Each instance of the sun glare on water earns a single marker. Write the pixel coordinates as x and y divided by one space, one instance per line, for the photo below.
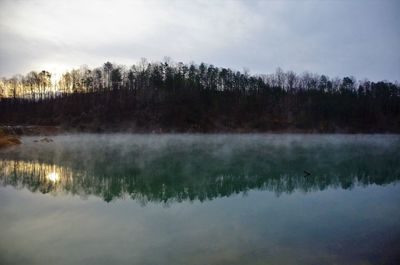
53 176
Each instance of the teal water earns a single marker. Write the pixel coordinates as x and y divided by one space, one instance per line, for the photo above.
201 199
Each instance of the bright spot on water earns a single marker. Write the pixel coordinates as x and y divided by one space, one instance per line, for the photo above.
53 176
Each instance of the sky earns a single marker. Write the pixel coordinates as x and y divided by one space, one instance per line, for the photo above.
358 38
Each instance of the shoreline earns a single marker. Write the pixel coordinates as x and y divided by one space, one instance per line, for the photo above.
8 139
46 130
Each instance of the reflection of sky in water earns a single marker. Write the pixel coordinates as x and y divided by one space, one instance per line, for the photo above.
346 212
333 226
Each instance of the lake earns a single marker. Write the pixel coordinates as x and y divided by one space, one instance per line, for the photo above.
201 199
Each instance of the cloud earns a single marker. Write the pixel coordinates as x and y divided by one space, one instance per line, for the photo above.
332 37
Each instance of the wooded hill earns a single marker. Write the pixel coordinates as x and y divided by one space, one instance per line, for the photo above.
177 97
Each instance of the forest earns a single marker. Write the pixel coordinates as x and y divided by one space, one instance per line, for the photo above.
177 97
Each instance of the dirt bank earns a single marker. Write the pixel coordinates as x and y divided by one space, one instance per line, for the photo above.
7 139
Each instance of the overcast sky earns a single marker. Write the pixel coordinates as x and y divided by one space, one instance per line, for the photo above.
337 38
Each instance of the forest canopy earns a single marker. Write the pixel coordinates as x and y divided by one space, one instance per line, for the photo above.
170 75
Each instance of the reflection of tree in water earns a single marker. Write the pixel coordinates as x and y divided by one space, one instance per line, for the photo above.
200 172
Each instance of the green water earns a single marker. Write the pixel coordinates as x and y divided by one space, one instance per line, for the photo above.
201 199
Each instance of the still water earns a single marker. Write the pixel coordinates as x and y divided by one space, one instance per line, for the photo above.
201 199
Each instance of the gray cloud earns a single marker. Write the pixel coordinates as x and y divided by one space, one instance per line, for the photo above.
337 38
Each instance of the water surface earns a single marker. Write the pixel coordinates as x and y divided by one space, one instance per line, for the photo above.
201 199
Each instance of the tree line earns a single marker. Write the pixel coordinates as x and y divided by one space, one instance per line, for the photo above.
171 96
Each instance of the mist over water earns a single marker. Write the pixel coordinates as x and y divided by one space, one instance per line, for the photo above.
169 168
234 198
